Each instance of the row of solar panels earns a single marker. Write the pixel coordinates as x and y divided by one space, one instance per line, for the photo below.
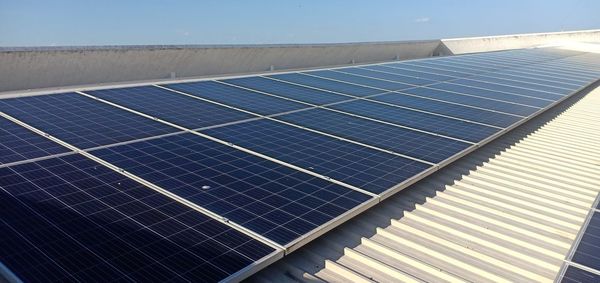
212 180
583 261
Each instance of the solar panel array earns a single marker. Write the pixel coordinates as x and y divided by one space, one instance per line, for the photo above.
212 180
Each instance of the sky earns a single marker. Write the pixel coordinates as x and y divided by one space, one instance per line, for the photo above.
149 22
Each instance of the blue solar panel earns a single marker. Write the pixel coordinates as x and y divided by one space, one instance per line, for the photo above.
428 69
237 97
529 79
407 72
588 250
472 100
418 120
415 144
296 92
71 219
385 76
177 108
484 93
510 89
326 84
453 110
577 275
451 65
369 169
521 83
18 143
81 121
270 199
381 84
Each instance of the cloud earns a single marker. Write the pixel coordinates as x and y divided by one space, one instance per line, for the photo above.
182 32
422 20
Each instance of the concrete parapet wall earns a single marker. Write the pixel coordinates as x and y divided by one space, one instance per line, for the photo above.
56 67
30 68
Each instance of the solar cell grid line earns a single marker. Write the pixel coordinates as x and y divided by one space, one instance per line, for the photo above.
382 76
18 144
406 141
295 92
352 79
509 89
577 275
433 124
452 110
548 72
236 97
270 199
491 94
562 62
79 120
96 224
564 70
364 167
476 101
406 72
325 84
174 107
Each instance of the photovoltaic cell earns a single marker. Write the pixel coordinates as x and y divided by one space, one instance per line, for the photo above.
408 142
81 121
588 250
296 92
266 197
363 167
383 85
453 110
326 84
71 219
18 143
476 101
577 275
385 76
490 94
176 108
524 78
418 120
237 97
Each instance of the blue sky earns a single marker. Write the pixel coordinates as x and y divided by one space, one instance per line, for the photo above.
106 22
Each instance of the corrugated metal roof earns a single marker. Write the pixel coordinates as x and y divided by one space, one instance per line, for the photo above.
507 212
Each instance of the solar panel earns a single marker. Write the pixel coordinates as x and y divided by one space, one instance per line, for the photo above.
578 275
494 95
363 167
291 91
423 146
588 248
473 100
353 79
322 83
173 107
72 219
18 143
237 97
81 121
385 76
452 110
266 197
334 143
418 120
